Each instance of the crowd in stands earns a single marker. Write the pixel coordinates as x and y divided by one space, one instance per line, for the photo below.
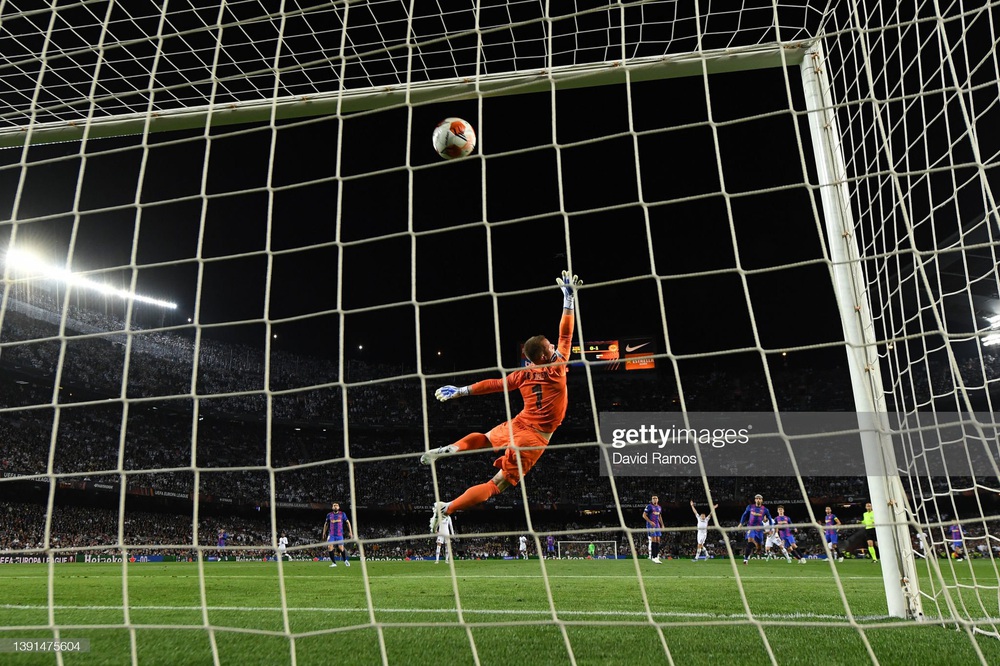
287 444
94 530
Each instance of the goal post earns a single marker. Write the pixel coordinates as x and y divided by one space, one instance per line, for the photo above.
899 574
581 549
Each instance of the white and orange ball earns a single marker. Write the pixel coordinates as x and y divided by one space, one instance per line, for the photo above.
454 138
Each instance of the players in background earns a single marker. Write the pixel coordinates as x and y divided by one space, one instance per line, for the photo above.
702 521
283 547
543 389
787 538
919 551
522 547
754 518
956 542
772 541
654 527
334 529
550 546
591 549
831 520
444 532
221 542
868 520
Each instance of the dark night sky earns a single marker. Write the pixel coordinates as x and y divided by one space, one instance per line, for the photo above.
525 239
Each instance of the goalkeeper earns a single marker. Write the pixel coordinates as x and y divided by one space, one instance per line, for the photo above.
543 389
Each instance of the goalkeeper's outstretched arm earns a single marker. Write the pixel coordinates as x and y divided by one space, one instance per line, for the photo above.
538 349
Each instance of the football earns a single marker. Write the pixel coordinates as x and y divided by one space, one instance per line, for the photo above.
454 138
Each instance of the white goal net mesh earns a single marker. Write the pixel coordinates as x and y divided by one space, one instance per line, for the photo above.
235 272
916 95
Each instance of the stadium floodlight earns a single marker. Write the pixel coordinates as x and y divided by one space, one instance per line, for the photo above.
19 260
991 339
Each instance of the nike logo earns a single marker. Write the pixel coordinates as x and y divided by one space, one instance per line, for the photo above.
630 348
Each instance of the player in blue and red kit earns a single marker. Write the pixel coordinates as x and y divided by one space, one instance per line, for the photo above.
654 527
333 532
754 518
787 538
956 542
830 520
220 542
550 546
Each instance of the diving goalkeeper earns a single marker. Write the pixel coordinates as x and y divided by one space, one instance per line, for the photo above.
543 388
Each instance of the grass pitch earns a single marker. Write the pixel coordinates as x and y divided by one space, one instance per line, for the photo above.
499 612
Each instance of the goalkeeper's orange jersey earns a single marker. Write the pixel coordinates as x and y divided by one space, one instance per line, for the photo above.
543 388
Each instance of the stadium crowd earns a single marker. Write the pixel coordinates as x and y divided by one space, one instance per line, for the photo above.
286 444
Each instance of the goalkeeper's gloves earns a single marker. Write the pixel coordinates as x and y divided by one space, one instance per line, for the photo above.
448 392
568 283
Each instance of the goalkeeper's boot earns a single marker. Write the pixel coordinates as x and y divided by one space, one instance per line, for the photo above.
438 515
434 454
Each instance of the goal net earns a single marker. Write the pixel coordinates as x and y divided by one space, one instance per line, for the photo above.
236 271
581 549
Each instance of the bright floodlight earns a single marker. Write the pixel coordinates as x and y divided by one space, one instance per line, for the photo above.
991 340
27 262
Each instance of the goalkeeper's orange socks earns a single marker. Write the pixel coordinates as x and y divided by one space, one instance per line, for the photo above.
473 496
476 440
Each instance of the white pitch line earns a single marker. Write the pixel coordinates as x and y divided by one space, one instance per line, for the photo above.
451 611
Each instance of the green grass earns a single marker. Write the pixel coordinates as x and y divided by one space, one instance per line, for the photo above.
602 611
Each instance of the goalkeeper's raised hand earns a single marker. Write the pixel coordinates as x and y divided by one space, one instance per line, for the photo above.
569 284
446 393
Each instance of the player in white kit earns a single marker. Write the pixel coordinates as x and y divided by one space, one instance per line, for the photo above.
701 552
444 530
774 541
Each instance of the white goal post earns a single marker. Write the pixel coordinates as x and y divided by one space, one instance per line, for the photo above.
899 574
581 549
263 172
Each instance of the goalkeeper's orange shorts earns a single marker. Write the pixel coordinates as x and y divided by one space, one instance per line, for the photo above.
527 441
